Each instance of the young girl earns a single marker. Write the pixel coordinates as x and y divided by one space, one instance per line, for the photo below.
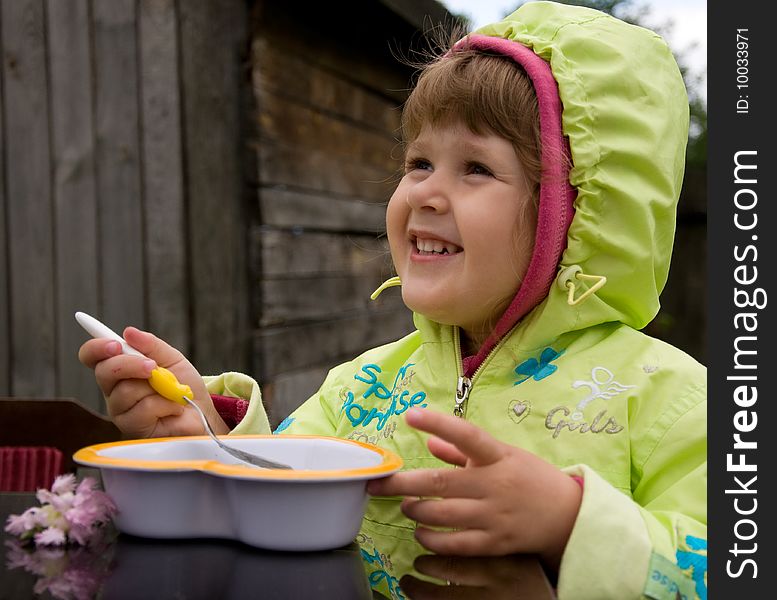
574 436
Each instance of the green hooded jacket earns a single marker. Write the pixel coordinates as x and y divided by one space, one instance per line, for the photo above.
577 384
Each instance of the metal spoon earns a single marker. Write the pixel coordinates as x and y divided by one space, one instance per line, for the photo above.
253 459
166 385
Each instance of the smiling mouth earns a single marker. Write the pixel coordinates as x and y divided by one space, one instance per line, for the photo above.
433 247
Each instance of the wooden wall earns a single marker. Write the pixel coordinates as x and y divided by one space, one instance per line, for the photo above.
121 145
214 171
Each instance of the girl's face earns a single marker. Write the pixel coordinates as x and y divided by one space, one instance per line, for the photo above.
461 227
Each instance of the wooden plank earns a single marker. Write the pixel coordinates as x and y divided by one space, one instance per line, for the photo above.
362 55
286 392
307 167
27 169
213 48
282 206
297 79
163 183
310 298
421 14
297 125
5 357
284 349
73 153
299 253
118 166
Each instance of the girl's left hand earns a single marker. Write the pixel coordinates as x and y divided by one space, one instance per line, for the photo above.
501 500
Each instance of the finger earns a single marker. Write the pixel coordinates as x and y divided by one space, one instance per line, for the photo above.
475 443
177 425
151 410
126 394
93 351
111 371
468 542
461 513
437 483
447 452
152 346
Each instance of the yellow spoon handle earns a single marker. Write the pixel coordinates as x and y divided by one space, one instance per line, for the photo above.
162 380
167 386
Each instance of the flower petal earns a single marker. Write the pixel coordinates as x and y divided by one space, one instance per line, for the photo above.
64 484
51 536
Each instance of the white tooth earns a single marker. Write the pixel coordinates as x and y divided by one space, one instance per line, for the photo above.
437 246
426 245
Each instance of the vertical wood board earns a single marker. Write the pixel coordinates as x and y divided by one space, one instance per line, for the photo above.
163 184
118 163
213 42
28 186
5 356
72 137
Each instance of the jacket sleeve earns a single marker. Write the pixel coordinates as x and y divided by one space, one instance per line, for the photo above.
247 398
237 395
654 544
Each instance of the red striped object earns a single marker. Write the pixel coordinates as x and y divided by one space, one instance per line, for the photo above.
27 468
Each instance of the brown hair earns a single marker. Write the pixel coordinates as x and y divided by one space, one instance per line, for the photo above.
488 93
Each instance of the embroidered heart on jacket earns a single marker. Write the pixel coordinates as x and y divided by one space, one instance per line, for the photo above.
519 409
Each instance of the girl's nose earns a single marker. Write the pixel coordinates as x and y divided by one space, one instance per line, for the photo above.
431 194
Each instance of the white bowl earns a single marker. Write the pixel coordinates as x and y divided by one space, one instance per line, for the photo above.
187 487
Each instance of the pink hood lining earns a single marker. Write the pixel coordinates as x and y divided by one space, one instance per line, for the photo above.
557 196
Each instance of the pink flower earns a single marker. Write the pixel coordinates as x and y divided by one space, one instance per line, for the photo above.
64 484
21 524
51 536
68 513
65 573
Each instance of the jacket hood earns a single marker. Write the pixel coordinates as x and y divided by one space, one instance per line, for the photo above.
625 119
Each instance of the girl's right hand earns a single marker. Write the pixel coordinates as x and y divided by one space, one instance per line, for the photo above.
136 409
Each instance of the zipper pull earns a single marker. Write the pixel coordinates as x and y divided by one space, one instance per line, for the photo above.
463 386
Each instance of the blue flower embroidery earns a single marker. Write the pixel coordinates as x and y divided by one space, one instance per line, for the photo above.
284 424
377 575
696 562
531 368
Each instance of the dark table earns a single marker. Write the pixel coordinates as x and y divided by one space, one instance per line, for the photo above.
126 567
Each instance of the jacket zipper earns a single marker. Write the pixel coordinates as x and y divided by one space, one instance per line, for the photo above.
464 384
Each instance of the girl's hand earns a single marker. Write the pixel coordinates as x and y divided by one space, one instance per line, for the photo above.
133 405
501 500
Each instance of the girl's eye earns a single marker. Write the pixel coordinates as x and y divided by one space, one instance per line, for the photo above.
417 163
478 169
